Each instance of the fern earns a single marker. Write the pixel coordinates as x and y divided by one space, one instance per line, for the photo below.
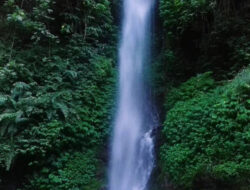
3 100
63 109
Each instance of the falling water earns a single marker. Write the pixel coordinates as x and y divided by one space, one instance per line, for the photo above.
132 156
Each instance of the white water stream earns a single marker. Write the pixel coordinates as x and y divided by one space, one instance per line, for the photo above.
132 157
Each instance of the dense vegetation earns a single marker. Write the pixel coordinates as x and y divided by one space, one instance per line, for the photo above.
205 140
57 88
56 92
207 134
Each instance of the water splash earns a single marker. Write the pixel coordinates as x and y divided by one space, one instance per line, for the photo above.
132 156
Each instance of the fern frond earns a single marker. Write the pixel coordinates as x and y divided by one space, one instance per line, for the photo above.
63 109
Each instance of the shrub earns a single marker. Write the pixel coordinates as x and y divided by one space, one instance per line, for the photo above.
70 171
206 136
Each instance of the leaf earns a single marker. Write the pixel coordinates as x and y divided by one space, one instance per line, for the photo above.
63 108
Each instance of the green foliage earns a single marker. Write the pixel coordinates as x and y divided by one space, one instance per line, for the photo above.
56 90
164 72
53 21
206 135
193 87
206 130
34 21
70 171
178 15
60 91
200 36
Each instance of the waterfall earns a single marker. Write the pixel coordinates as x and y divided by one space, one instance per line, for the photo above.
132 157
